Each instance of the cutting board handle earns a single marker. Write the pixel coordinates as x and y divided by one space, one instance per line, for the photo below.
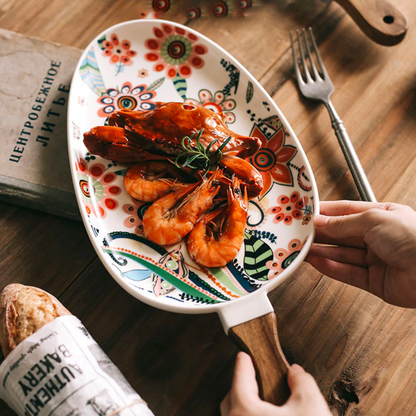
259 338
378 19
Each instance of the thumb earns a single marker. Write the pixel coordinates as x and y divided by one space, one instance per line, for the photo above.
349 226
300 382
306 398
302 385
244 382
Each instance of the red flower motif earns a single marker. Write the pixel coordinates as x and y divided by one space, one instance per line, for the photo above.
175 50
97 187
272 159
288 208
118 52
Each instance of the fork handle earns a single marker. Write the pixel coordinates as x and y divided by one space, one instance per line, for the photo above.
357 171
378 19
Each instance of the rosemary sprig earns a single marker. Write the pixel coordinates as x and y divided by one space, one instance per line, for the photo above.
199 157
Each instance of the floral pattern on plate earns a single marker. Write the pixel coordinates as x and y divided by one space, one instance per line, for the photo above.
272 159
175 51
283 258
216 102
289 208
119 53
129 98
97 187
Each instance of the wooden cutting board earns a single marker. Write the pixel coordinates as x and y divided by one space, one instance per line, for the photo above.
378 19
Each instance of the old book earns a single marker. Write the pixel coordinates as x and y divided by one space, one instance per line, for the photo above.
35 77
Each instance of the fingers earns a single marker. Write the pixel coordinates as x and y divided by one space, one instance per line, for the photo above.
345 273
321 238
347 255
243 399
347 222
244 392
336 208
244 381
301 383
305 398
350 226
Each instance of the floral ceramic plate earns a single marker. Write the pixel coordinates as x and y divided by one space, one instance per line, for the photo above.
132 66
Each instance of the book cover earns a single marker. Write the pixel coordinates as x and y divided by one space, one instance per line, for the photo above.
35 78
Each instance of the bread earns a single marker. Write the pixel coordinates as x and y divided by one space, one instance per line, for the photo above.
24 310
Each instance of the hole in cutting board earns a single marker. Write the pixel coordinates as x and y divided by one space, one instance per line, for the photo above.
388 19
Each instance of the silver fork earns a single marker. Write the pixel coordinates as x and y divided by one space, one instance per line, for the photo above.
318 86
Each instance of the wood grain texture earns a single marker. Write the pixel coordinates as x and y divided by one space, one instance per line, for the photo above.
32 249
260 340
361 351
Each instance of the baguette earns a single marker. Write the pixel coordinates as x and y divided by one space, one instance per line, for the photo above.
24 310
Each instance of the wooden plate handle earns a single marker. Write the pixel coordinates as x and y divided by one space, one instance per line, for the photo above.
259 338
378 19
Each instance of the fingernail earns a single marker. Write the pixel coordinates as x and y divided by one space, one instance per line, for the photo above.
320 220
297 368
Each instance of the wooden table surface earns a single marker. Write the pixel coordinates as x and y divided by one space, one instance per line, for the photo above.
361 350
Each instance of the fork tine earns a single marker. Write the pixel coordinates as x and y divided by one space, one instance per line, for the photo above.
309 55
295 62
302 55
318 56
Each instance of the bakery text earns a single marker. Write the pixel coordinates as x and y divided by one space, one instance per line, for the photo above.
46 378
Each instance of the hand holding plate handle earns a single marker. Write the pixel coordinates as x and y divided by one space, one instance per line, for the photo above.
260 340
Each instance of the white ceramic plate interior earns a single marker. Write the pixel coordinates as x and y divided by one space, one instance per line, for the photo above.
134 64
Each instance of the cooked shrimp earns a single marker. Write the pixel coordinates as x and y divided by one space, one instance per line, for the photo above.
148 181
173 216
249 176
213 245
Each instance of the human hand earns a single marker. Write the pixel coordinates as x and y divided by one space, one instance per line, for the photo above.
243 399
369 245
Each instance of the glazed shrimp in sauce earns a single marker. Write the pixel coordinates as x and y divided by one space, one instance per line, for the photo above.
148 181
213 245
173 216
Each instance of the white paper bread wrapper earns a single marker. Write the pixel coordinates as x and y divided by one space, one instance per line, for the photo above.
61 371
